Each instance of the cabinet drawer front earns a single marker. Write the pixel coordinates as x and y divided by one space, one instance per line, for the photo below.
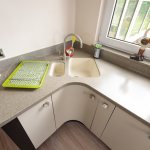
103 113
125 132
38 122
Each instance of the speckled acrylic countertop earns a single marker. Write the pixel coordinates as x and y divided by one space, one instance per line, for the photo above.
124 88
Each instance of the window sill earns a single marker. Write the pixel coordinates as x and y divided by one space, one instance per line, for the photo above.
122 59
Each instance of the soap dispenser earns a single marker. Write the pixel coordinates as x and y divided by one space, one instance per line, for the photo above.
97 48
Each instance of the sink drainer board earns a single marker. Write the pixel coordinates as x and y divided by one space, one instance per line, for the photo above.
28 74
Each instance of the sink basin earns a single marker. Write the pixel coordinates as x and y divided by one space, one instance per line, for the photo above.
57 69
83 67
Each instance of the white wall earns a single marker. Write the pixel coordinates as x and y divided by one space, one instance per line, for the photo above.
88 19
28 25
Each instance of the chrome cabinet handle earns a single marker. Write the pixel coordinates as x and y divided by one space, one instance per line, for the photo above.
92 96
105 106
46 104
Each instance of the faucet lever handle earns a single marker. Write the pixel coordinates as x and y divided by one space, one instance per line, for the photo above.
73 38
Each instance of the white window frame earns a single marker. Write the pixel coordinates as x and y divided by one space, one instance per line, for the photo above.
107 15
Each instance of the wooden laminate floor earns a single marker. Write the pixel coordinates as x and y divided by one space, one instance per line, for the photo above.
6 143
73 136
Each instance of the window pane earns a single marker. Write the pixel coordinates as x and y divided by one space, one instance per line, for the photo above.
116 19
127 19
146 21
140 18
130 20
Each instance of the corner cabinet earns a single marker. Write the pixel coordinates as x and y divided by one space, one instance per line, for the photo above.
125 132
38 122
74 102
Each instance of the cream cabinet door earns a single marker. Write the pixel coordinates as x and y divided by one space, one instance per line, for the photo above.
38 122
103 113
74 102
124 132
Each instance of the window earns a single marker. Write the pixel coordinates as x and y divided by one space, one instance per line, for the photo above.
124 22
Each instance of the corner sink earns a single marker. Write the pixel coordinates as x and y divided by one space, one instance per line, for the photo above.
83 67
57 69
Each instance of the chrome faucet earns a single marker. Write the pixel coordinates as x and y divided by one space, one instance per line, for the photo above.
71 34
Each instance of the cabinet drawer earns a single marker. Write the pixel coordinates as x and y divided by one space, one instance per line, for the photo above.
38 122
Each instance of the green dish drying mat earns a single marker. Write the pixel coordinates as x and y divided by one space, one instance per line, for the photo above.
28 74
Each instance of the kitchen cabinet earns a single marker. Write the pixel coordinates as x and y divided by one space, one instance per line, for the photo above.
74 102
103 113
124 132
38 122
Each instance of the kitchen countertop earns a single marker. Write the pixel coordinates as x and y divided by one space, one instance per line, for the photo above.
124 88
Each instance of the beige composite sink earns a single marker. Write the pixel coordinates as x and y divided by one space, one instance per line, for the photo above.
83 67
57 69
